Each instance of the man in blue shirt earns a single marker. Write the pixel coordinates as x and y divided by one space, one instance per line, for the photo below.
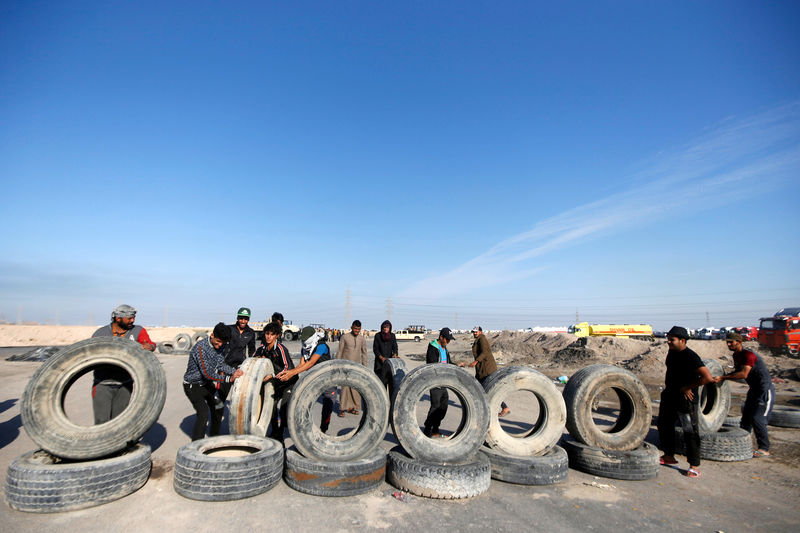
437 353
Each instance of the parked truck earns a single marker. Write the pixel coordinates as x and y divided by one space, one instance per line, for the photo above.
781 332
290 331
584 329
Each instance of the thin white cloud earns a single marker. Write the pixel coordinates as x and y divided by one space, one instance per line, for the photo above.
731 161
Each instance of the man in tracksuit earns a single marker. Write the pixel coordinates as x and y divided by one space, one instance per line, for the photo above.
205 369
437 353
761 395
112 386
277 353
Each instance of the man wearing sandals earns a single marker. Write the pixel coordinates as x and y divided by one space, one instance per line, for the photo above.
761 395
679 400
352 347
484 360
437 353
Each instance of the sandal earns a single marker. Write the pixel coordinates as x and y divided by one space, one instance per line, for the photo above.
341 414
692 473
353 411
761 453
663 461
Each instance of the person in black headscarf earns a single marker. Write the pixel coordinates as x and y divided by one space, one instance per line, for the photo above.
384 347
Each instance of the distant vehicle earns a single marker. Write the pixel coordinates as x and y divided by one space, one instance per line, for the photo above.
781 333
788 311
584 329
748 333
416 329
290 331
708 334
408 335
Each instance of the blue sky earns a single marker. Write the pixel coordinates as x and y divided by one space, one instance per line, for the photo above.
509 164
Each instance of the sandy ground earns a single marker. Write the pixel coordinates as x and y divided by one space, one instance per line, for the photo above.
14 335
764 495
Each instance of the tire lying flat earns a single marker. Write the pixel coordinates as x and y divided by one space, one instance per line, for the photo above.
546 469
307 437
442 481
726 445
251 399
254 466
42 406
632 465
38 482
715 400
342 478
553 411
467 440
635 411
784 417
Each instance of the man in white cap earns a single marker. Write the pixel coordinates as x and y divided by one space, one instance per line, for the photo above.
111 390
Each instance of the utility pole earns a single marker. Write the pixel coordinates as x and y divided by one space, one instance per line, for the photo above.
347 309
389 308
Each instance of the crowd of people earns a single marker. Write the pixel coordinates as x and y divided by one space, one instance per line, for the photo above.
214 363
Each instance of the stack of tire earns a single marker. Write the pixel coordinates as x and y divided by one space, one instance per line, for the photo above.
244 463
181 344
440 468
783 416
534 458
83 466
619 453
718 440
345 465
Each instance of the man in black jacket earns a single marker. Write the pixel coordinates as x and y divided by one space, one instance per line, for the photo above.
384 347
281 360
241 345
437 353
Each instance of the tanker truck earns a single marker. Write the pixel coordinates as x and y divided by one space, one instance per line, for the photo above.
584 329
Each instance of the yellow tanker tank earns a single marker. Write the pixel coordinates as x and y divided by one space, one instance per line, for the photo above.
584 329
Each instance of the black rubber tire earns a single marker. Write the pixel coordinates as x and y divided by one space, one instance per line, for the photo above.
784 417
307 437
417 339
42 406
38 482
633 465
725 445
182 342
553 416
635 414
251 399
199 476
715 400
165 347
399 369
342 478
288 336
197 337
445 481
546 469
475 407
732 421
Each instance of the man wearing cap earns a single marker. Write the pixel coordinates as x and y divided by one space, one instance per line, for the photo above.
315 350
112 386
205 369
352 347
484 360
679 400
437 353
761 395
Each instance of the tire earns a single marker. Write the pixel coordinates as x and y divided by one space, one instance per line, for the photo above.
307 437
197 337
343 478
165 347
200 476
633 465
42 406
399 370
784 417
442 481
288 336
470 435
553 411
732 421
546 469
715 400
38 482
417 339
251 399
182 342
726 445
635 412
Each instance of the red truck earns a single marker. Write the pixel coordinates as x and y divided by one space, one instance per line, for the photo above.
781 332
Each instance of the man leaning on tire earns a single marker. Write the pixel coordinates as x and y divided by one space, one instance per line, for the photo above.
112 386
679 400
437 353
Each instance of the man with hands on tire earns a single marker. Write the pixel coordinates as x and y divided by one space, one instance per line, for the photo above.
112 386
685 373
384 347
484 360
760 395
205 369
281 360
437 353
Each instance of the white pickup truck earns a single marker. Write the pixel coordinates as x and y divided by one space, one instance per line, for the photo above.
407 335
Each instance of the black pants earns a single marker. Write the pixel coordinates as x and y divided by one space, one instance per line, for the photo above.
755 414
203 401
482 382
327 409
280 407
438 409
674 407
109 400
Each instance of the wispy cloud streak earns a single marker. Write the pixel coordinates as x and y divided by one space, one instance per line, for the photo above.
731 160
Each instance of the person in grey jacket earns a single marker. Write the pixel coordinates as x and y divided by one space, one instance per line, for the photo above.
206 368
